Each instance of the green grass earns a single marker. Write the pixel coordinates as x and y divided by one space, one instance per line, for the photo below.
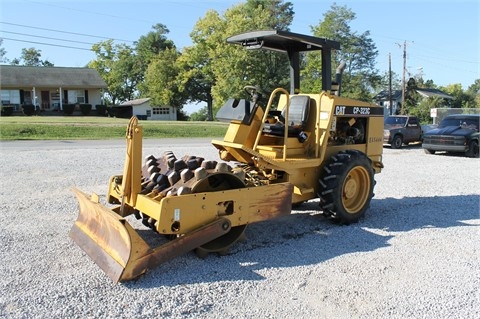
97 128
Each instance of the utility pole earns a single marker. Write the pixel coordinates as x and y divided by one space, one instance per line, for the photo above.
390 82
403 77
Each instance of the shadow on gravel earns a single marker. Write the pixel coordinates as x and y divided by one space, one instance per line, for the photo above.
404 214
411 146
305 237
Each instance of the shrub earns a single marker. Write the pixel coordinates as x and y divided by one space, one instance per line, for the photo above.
6 110
101 110
85 108
68 108
28 109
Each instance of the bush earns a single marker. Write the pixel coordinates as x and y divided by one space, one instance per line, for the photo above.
28 109
85 108
68 108
200 115
124 112
6 110
101 110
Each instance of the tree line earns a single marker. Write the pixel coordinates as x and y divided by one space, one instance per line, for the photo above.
211 71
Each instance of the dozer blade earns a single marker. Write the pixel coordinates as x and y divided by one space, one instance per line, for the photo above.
106 237
112 243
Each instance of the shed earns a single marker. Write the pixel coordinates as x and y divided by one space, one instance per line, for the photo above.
142 109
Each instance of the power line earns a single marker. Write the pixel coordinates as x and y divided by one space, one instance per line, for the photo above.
90 12
49 38
66 32
130 18
420 46
470 71
50 44
446 59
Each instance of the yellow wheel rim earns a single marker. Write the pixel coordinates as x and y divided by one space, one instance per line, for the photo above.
355 190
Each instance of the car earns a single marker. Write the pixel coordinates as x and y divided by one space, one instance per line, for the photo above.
401 129
456 133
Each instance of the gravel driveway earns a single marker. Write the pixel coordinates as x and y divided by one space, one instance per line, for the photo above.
414 255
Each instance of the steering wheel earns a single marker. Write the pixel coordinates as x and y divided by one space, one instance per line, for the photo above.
253 91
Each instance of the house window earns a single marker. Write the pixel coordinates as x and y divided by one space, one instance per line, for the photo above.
27 97
55 97
76 96
161 110
10 97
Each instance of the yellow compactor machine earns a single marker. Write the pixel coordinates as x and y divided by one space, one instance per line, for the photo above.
274 155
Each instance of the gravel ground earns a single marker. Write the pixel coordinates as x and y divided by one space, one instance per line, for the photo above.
414 255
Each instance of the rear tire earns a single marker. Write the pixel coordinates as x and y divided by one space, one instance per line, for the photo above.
397 142
346 186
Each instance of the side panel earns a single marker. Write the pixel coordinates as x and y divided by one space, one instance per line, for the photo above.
238 132
182 214
375 139
374 116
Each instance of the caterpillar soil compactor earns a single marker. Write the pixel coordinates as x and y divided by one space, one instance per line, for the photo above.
316 145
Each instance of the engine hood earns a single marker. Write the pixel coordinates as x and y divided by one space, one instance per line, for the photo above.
392 126
450 130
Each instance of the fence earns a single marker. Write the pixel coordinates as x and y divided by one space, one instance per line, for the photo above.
438 114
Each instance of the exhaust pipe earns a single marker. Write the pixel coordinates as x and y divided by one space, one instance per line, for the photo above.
338 78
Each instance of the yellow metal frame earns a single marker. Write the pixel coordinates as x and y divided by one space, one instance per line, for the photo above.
264 119
302 167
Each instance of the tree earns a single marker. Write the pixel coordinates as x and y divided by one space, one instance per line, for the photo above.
3 52
396 81
160 79
280 13
148 47
358 51
154 42
213 71
412 98
425 84
31 57
200 115
123 67
461 99
263 68
474 91
422 110
119 68
196 76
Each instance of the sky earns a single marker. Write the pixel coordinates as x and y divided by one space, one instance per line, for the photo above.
442 37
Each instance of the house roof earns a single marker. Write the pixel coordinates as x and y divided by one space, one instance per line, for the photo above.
425 92
383 95
135 102
14 76
433 92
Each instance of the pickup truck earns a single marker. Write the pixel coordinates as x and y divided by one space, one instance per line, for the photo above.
456 133
401 129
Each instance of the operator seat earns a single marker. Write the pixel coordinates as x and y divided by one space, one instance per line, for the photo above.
297 117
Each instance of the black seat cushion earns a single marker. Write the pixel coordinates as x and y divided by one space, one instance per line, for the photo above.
297 117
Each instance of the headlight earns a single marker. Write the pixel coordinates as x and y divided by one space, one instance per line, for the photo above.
386 133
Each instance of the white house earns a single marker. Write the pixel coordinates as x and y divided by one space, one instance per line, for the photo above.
49 88
142 109
383 98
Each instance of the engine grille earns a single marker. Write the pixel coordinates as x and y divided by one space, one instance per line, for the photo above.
444 140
